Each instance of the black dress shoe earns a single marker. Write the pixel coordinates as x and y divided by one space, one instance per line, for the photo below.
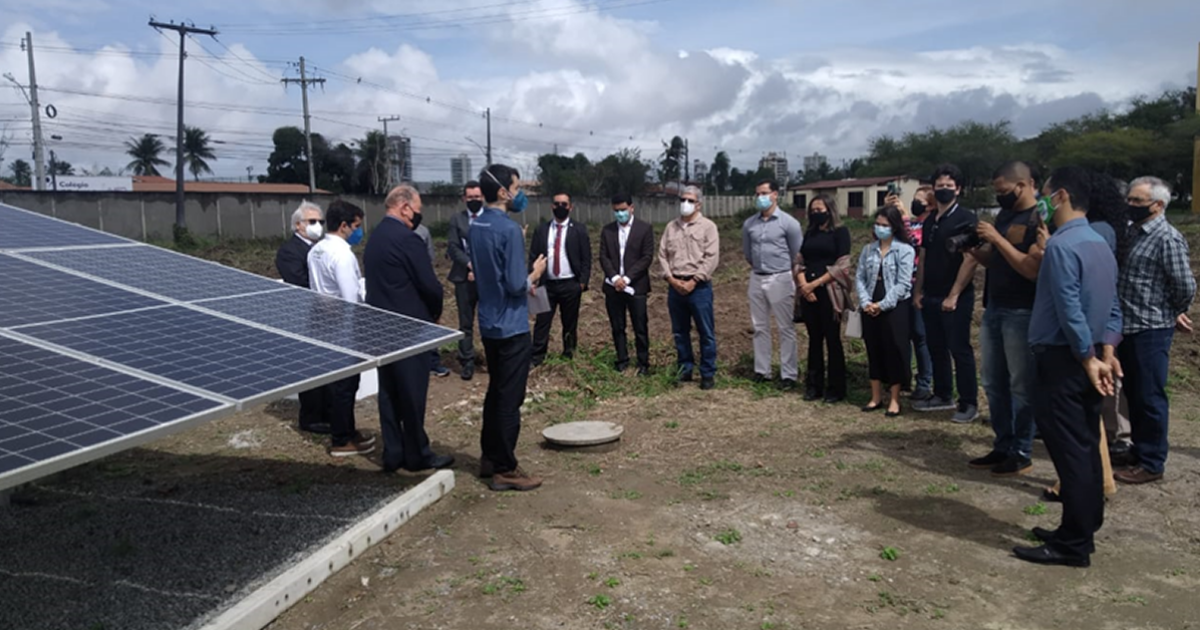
685 377
1044 535
621 367
319 428
811 395
833 399
787 385
643 371
1125 459
1047 555
707 382
1050 496
868 408
437 461
761 378
468 372
892 414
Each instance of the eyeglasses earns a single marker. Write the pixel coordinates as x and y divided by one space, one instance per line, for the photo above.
316 221
686 200
1137 201
561 205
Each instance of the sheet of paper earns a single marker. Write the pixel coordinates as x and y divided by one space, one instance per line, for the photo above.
539 302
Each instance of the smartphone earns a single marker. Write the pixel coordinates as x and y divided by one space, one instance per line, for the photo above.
893 188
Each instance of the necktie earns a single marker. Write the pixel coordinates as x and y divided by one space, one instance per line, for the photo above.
557 248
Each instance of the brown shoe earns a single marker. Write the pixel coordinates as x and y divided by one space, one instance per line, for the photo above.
363 438
515 480
1136 476
350 449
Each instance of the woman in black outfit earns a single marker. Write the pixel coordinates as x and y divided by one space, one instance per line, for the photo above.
884 287
823 280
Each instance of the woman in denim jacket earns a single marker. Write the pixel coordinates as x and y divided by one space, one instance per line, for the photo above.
883 283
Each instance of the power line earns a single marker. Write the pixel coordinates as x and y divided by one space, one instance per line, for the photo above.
376 19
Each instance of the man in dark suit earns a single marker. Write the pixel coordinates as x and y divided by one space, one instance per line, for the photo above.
308 226
568 254
466 296
626 253
400 279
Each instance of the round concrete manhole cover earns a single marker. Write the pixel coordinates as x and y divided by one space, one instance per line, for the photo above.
589 433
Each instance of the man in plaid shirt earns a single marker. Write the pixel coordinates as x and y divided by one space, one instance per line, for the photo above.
1156 287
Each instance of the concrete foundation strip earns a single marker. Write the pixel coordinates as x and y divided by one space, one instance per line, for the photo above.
264 605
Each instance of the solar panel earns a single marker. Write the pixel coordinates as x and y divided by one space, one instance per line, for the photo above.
154 270
57 411
23 229
34 294
369 331
205 351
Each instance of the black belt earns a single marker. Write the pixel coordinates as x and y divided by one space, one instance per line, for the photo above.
684 278
768 273
549 280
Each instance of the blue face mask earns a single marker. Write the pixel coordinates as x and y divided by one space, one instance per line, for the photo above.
763 202
356 236
519 203
622 216
883 232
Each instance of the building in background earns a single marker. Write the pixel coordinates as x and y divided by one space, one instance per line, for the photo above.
778 163
400 148
855 197
814 162
460 169
699 171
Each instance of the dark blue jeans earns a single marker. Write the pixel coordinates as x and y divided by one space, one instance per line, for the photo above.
1144 357
920 350
695 307
949 337
1009 374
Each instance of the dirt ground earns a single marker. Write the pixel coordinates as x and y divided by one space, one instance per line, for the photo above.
742 508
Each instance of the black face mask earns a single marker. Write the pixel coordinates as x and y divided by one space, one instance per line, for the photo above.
561 212
474 206
416 220
818 219
945 195
918 208
1007 201
1137 214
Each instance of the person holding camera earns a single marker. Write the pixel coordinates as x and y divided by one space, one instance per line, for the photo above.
1011 255
945 294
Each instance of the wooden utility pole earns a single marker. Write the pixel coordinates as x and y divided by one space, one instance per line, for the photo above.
304 82
1196 145
39 162
387 145
183 30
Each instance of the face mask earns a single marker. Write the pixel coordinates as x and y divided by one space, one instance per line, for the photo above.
314 231
622 216
1046 209
1007 201
883 232
518 203
561 212
763 202
416 220
1137 214
918 208
686 208
818 219
944 195
356 236
474 206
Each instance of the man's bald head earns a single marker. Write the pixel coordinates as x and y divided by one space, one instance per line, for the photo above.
1015 172
400 195
1015 185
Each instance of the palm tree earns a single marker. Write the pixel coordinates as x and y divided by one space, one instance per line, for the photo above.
196 151
145 153
22 173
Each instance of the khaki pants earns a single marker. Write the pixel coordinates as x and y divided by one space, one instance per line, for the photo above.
774 297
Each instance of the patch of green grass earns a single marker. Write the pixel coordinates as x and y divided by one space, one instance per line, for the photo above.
504 583
612 582
593 575
947 488
816 453
671 424
681 623
939 613
728 537
704 581
631 555
1037 509
689 567
711 495
594 469
629 495
891 554
785 494
600 601
875 577
1178 572
1136 599
664 553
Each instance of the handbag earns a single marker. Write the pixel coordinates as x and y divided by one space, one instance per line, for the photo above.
853 324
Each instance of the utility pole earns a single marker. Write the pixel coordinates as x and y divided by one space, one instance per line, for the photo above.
489 136
184 30
387 143
249 170
39 166
1196 146
304 82
53 171
687 164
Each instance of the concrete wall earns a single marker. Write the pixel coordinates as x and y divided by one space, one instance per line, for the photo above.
149 216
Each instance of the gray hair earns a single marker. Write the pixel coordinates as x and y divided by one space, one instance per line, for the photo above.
1159 190
400 195
695 190
305 206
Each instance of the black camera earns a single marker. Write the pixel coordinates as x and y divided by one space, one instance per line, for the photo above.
963 239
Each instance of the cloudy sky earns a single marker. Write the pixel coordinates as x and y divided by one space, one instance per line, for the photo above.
595 76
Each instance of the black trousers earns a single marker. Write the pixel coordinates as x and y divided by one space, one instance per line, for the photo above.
618 304
1069 419
508 372
466 297
315 408
403 391
341 409
565 296
824 333
886 338
948 336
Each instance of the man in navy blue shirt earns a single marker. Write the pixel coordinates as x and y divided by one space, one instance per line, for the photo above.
497 250
1075 327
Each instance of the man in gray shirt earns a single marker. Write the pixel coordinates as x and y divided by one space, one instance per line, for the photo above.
770 241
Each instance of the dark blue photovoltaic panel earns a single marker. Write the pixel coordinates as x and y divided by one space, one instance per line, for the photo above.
198 349
334 321
29 229
34 294
53 405
159 271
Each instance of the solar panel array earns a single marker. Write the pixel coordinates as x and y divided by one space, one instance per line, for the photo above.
107 343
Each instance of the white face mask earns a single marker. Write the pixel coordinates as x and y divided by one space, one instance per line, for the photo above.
687 208
314 231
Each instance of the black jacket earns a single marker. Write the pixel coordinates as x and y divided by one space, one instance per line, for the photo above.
399 273
460 224
579 251
292 261
639 254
